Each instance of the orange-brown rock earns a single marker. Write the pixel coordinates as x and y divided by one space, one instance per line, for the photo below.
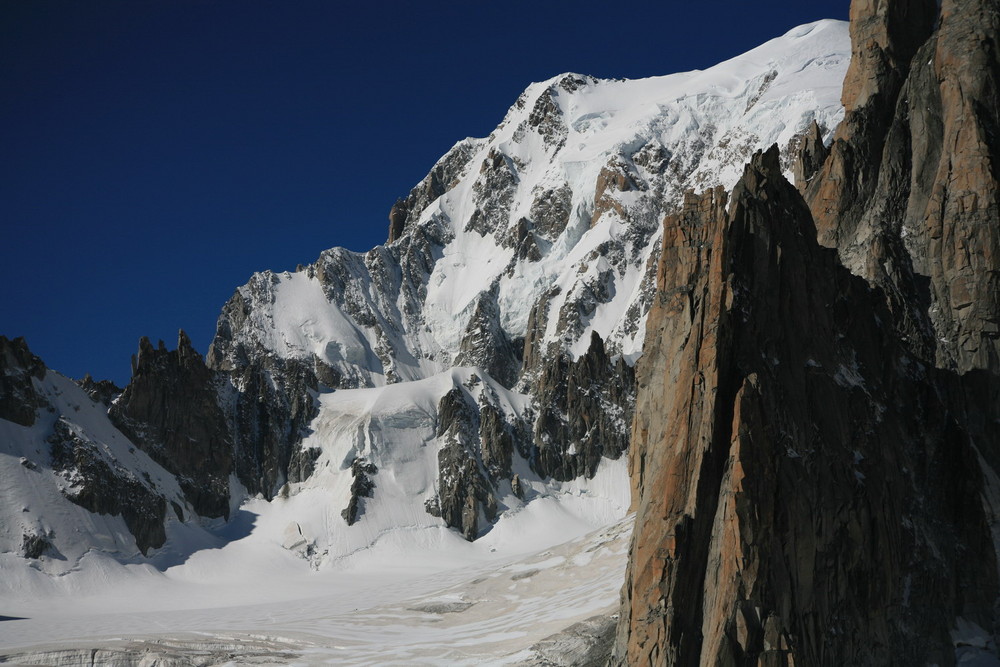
614 177
885 35
682 354
882 47
815 450
910 193
807 491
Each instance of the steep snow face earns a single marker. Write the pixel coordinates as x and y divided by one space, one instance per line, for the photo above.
76 492
556 212
401 435
288 580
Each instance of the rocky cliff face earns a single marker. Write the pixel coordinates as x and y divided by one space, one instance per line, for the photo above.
909 196
107 487
205 424
171 409
584 408
814 453
73 484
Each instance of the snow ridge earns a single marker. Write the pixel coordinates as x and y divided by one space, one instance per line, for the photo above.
565 196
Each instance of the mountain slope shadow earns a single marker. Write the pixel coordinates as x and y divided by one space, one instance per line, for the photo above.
184 541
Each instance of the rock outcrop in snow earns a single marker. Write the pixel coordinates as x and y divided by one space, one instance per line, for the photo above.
171 409
72 483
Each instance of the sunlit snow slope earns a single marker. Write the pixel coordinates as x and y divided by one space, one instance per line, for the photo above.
519 255
565 197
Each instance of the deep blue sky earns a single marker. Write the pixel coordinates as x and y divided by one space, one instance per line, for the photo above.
155 153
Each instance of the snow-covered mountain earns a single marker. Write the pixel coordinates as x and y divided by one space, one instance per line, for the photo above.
528 255
541 231
471 378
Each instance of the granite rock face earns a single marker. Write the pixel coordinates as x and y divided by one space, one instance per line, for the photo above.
465 493
204 424
202 428
106 487
486 345
909 196
808 490
62 447
809 157
815 451
271 402
584 408
18 398
171 409
885 35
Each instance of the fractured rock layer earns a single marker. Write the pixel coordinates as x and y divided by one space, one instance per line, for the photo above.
815 450
911 194
805 493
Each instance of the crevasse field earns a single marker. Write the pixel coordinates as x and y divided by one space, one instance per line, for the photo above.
396 587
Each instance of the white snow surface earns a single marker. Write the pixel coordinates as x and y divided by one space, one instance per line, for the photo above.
290 577
33 503
667 134
398 587
439 602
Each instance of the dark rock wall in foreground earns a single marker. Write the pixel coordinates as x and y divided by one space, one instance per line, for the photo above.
815 445
805 492
910 194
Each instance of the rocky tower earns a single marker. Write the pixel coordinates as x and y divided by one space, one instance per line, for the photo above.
170 408
57 438
814 448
